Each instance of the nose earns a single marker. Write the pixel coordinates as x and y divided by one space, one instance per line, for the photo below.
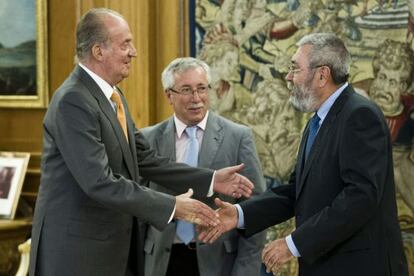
289 76
195 96
132 51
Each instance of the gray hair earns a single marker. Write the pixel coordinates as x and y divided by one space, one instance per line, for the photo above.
327 49
91 30
180 65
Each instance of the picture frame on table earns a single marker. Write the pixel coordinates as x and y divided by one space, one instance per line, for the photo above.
13 167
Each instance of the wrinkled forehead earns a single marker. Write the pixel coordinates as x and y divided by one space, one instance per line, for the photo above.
116 26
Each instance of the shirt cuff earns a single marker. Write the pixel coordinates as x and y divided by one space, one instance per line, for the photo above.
210 190
172 215
240 222
292 247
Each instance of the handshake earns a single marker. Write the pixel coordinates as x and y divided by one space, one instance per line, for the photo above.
212 224
226 181
274 255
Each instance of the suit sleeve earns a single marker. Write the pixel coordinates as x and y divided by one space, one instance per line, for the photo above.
77 133
363 163
250 248
176 176
272 207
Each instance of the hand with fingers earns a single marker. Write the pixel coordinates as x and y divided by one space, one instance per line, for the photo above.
227 181
194 211
275 254
228 220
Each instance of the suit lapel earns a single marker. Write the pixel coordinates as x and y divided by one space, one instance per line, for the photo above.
322 136
301 158
212 138
107 109
165 141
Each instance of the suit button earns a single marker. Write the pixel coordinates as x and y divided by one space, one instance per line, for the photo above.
167 249
128 231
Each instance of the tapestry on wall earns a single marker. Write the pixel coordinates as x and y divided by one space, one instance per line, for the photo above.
249 43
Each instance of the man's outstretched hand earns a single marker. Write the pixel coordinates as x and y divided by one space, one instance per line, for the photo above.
227 181
228 220
194 211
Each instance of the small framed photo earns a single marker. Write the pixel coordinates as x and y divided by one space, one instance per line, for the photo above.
13 167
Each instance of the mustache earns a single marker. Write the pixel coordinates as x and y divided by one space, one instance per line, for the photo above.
194 106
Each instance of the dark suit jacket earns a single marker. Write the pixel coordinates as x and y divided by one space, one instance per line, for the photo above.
343 197
224 144
88 193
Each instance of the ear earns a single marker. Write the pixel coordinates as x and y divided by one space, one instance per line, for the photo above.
169 96
325 74
97 52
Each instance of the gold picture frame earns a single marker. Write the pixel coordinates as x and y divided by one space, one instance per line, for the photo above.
31 95
13 167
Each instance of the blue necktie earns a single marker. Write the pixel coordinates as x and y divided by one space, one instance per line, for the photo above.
313 130
185 230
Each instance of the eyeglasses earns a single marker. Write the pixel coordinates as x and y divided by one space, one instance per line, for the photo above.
294 70
187 90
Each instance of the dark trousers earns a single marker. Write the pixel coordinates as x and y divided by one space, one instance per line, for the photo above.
183 260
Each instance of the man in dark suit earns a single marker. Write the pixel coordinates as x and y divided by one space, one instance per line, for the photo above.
342 191
220 143
89 198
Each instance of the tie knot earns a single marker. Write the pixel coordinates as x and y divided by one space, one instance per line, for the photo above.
191 131
315 121
116 98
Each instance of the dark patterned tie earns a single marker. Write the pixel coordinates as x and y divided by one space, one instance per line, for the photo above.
313 130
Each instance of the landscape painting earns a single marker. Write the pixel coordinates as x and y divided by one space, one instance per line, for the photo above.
23 75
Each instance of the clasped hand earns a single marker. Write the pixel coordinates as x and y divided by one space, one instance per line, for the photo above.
228 220
275 254
194 211
226 181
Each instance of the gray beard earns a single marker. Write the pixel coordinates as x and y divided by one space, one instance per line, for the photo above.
303 99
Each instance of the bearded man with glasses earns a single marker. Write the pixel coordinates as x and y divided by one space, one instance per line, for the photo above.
342 191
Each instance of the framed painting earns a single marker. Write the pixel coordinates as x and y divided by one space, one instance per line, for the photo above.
23 54
13 166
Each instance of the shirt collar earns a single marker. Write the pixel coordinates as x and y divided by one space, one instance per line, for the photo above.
106 88
180 126
326 106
